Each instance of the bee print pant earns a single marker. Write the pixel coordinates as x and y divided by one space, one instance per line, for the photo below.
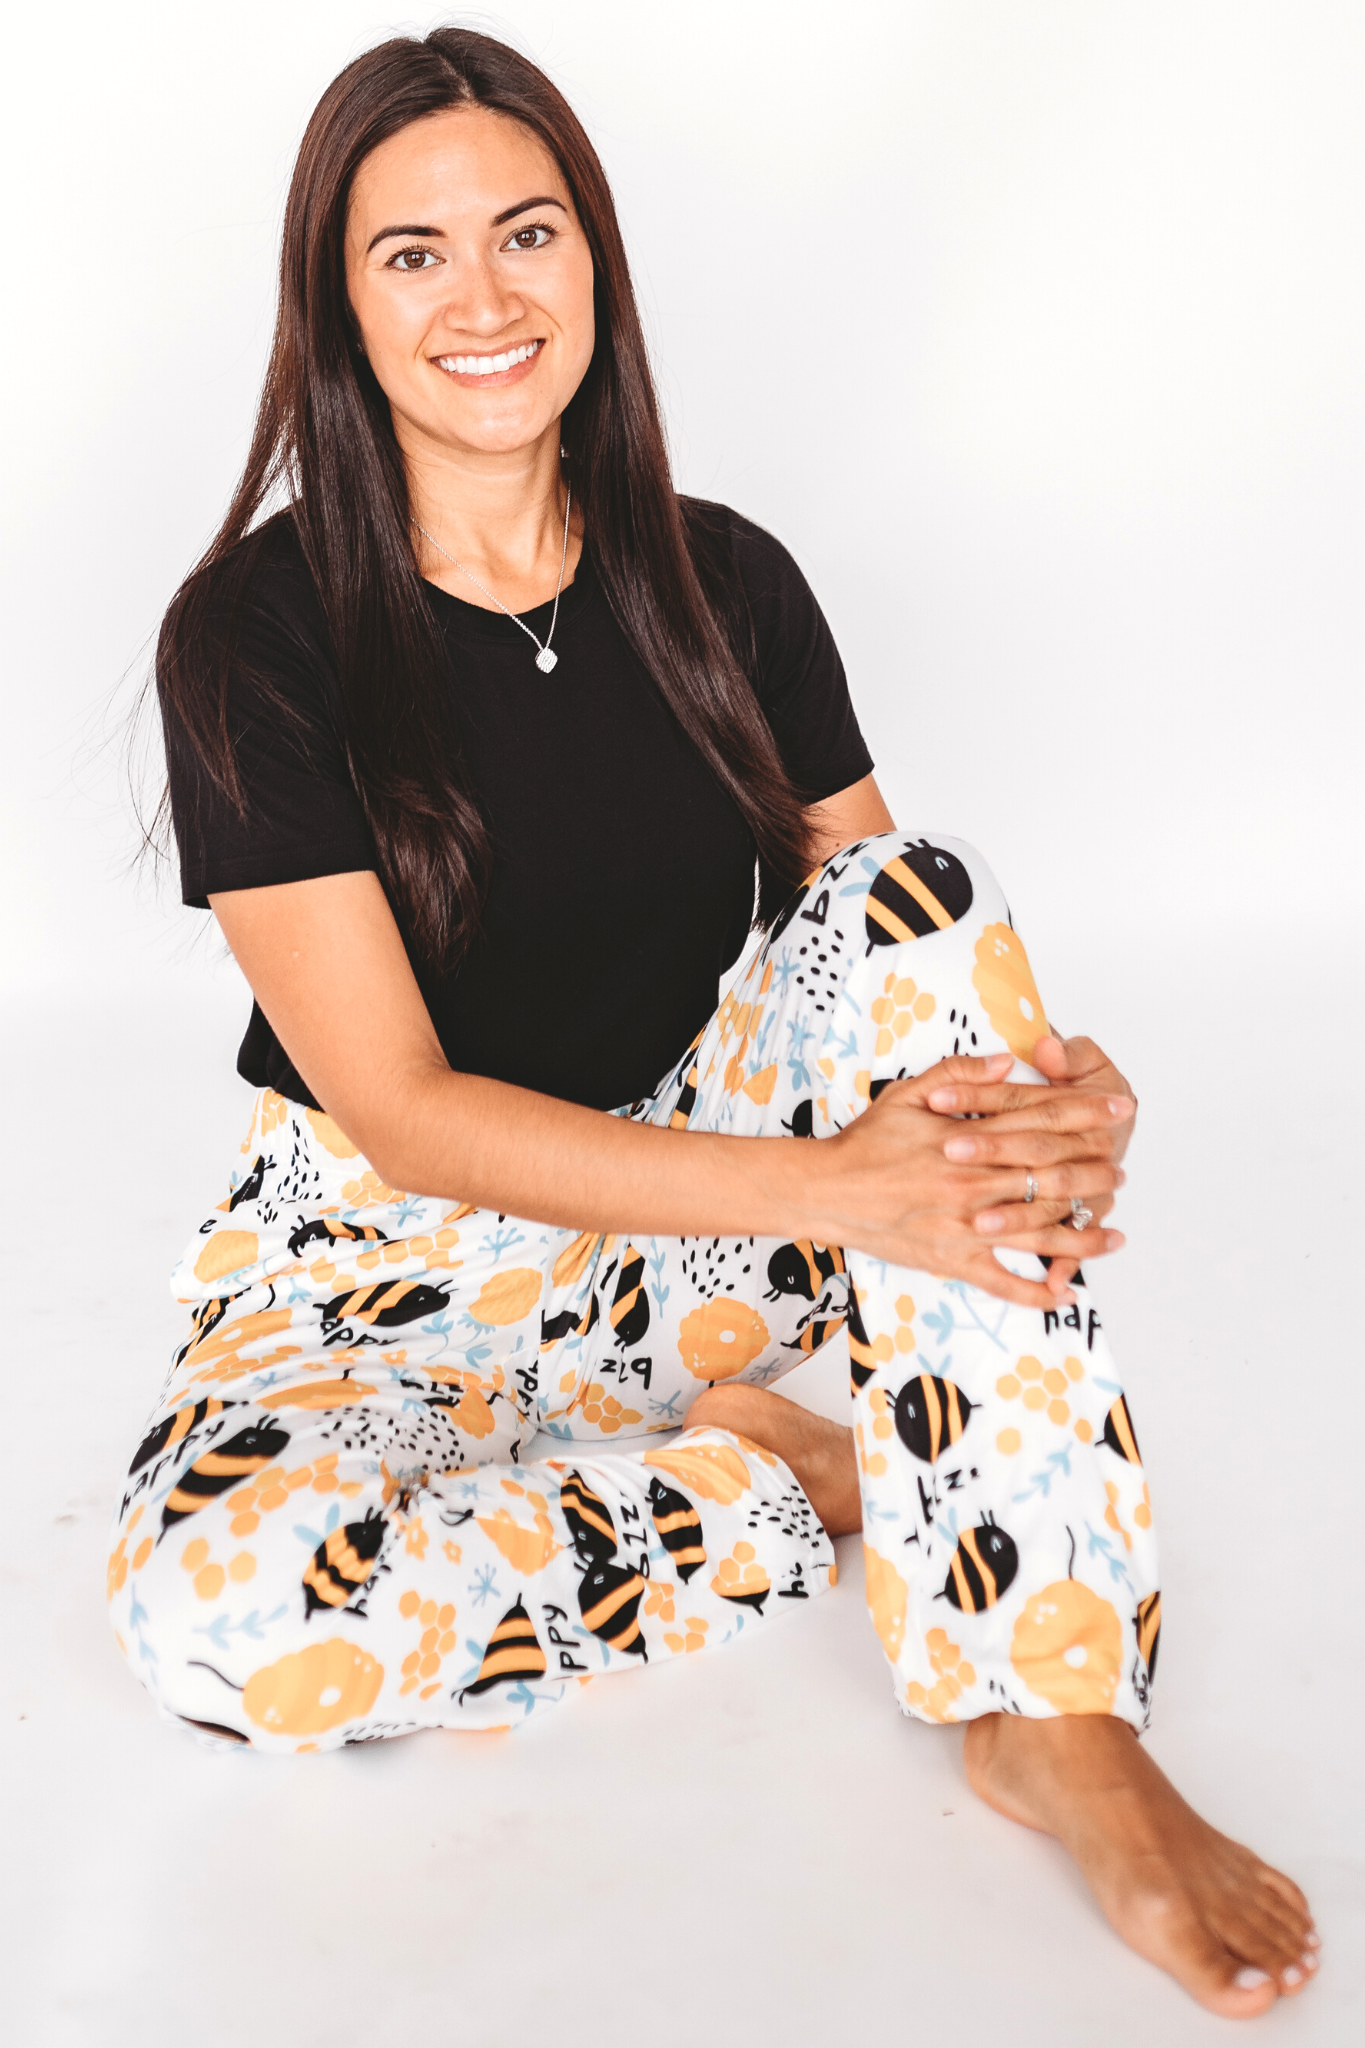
331 1531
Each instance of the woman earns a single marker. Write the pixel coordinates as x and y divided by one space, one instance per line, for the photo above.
475 750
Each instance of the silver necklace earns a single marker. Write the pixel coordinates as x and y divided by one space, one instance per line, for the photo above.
546 658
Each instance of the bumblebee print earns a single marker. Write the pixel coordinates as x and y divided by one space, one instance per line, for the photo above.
802 1268
630 1303
387 1305
1119 1433
922 889
343 1564
326 1231
513 1655
226 1465
411 1470
175 1427
678 1526
983 1569
686 1102
931 1415
817 1334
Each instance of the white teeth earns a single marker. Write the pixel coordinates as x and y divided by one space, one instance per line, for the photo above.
489 366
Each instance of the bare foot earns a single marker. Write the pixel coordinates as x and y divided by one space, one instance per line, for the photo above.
819 1453
1233 1931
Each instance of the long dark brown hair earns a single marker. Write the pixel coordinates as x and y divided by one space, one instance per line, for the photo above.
325 438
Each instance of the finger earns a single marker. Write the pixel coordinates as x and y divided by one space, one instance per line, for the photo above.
1054 1187
1061 1273
987 1143
1062 1110
1094 1243
991 1277
1020 1100
1067 1059
960 1070
1001 1218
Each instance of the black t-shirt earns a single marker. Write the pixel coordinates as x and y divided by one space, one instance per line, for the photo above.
623 875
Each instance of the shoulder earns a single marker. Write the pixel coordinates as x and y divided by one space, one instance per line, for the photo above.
753 556
264 589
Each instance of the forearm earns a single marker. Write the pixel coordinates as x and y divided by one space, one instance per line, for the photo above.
470 1139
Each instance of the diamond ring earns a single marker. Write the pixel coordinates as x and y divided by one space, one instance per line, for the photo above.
1030 1185
1081 1217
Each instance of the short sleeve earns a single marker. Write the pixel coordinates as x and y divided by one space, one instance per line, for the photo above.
799 678
302 816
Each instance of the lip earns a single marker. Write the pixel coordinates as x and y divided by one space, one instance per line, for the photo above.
489 379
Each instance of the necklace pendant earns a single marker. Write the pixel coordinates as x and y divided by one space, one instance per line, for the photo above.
546 660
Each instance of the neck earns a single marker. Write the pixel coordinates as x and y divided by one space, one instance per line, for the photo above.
500 513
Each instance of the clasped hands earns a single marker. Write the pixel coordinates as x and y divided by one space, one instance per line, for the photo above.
934 1173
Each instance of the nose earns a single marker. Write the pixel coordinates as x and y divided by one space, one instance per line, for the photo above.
479 302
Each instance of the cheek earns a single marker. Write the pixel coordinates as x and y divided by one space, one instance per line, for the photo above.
391 324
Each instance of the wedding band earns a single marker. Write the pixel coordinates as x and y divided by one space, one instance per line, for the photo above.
1030 1185
1081 1217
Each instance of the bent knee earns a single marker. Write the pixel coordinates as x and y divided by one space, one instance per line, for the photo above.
910 886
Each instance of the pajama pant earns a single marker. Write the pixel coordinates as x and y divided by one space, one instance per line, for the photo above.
330 1534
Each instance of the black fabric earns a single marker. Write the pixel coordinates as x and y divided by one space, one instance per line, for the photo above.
623 878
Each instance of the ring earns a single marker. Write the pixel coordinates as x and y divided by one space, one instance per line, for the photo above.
1081 1217
1030 1184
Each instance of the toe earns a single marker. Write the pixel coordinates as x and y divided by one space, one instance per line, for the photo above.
1165 1928
1286 1889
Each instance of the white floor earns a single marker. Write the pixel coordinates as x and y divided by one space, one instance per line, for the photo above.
752 1848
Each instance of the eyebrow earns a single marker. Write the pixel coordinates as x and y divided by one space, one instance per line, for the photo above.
499 220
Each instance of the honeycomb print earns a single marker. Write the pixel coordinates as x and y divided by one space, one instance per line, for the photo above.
420 1464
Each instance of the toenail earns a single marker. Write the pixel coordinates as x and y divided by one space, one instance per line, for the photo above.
1291 1976
1313 1940
1251 1979
1310 1961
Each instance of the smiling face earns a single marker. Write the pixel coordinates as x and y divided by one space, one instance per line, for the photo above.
471 282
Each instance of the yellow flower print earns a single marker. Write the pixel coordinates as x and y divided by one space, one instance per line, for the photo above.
1068 1648
1004 981
1041 1387
896 1010
954 1677
720 1338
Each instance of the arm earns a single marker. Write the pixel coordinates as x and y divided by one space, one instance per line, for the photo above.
883 1185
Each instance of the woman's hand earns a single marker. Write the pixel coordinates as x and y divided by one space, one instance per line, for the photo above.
895 1184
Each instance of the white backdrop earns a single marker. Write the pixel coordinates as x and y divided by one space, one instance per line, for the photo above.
1035 329
1036 332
